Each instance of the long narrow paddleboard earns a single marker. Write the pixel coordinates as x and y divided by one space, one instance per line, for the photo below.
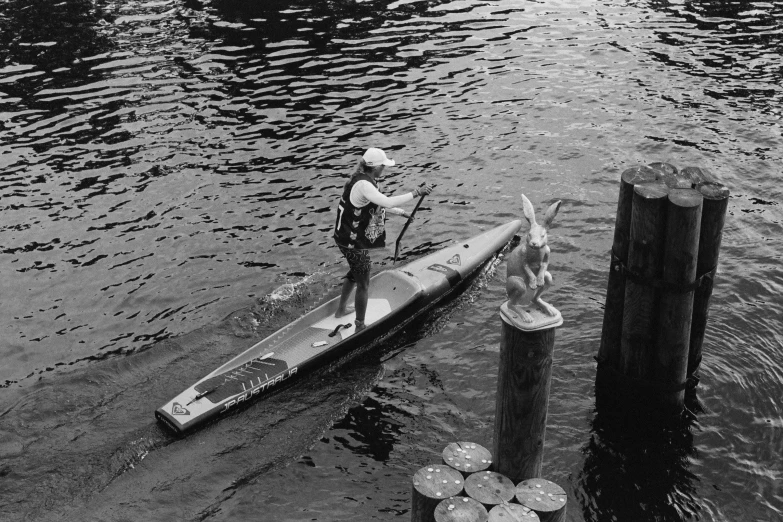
396 296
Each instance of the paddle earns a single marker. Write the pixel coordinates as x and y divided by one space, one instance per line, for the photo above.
405 226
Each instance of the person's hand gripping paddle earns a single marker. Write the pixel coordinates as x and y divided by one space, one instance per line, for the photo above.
407 223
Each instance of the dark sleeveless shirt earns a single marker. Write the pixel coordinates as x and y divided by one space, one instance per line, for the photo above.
363 227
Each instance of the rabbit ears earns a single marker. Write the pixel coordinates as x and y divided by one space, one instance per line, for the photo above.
530 213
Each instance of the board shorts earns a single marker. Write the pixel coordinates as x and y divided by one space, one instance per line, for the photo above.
358 261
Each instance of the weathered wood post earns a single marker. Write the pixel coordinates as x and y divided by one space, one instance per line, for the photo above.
512 513
522 400
460 509
716 201
668 365
671 243
546 498
526 347
609 350
467 457
645 260
490 488
431 485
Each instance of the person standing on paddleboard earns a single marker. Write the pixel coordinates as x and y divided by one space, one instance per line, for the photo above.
360 226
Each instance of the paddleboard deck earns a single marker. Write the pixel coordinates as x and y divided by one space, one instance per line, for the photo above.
396 296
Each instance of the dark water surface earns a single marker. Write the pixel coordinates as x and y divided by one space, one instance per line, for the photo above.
165 166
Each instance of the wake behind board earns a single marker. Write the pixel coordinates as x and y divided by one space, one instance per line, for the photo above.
396 296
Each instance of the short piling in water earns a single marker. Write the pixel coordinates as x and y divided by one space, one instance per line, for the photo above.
490 488
670 243
431 485
484 496
713 218
460 509
522 401
609 350
512 513
645 261
467 457
669 363
547 499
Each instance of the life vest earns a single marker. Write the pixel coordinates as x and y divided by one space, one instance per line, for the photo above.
363 227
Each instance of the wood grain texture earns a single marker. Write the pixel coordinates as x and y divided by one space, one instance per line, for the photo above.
460 509
431 485
490 488
609 349
547 499
645 258
522 401
669 362
512 513
713 218
467 457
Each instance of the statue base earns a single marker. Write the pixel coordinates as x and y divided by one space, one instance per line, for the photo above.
541 320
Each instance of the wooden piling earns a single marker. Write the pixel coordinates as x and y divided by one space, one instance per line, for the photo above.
522 399
490 488
665 169
713 218
512 513
547 499
460 509
700 176
609 350
669 232
431 485
467 457
645 260
670 363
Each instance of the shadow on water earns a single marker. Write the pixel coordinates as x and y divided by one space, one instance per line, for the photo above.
372 427
636 468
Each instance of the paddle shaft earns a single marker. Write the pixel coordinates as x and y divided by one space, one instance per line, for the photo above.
405 227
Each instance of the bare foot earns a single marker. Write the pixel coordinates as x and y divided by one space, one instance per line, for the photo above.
359 326
348 310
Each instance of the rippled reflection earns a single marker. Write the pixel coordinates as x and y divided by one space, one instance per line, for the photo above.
635 469
735 44
43 36
373 428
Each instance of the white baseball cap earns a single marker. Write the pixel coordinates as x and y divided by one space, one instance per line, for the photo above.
376 157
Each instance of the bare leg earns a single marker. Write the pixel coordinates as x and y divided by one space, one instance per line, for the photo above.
344 308
362 296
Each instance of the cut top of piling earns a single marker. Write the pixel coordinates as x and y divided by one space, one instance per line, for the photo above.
512 513
541 495
437 481
467 457
460 509
654 190
685 197
714 191
638 174
490 488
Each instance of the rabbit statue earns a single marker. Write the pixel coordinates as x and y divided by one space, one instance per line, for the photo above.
527 265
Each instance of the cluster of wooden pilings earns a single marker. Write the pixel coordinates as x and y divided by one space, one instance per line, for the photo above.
468 485
463 488
664 256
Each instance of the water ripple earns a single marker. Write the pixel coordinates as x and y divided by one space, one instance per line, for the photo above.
164 163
